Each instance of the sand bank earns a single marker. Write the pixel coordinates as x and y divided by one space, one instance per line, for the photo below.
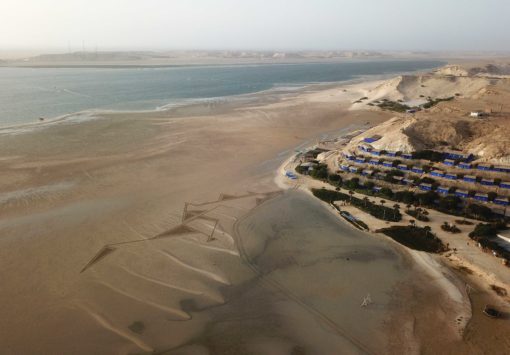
68 190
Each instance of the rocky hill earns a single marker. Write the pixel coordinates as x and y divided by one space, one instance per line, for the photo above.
448 124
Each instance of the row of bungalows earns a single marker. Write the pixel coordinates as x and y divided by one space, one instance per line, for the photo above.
380 176
425 187
483 167
502 201
445 190
481 197
459 156
504 185
348 156
407 181
469 178
372 139
464 165
365 148
462 193
501 169
437 173
417 170
451 176
487 182
449 162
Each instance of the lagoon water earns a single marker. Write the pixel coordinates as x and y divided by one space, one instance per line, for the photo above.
29 93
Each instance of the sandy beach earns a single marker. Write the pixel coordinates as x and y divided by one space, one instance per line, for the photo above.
161 232
72 188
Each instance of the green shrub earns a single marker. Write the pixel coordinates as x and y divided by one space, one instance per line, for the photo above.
415 238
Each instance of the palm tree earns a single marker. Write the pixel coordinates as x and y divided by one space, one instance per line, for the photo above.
366 200
351 193
427 230
396 207
384 209
413 223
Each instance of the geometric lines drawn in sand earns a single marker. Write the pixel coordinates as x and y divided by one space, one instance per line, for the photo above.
185 227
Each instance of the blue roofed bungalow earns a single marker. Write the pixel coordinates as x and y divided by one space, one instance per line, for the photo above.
450 176
353 169
407 156
364 148
449 162
402 167
481 197
417 170
391 153
380 176
437 173
408 181
487 182
469 178
464 165
344 167
360 160
376 152
462 193
458 155
373 162
377 188
445 190
484 167
502 169
502 201
388 164
372 139
367 172
505 185
426 187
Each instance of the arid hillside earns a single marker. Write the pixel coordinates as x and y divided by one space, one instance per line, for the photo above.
443 119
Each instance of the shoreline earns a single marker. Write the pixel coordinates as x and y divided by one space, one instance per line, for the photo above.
129 177
279 90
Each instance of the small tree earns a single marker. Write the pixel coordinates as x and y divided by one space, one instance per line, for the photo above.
412 222
384 209
351 193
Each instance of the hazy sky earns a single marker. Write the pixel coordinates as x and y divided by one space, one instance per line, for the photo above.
256 24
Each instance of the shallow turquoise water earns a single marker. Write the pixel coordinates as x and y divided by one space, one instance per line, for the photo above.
27 94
